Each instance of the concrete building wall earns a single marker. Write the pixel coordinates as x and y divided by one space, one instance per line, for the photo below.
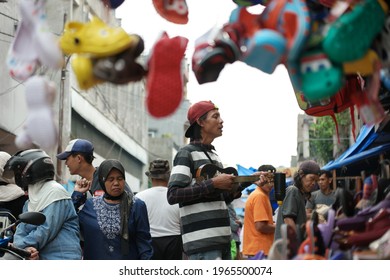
113 117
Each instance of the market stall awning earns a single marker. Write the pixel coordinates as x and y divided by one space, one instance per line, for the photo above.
362 155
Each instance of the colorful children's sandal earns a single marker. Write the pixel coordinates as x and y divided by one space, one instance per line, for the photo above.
113 4
265 50
175 11
343 41
292 20
164 83
208 62
83 69
121 68
321 79
95 38
248 3
209 59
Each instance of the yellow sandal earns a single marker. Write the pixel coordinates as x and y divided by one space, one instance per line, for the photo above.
95 38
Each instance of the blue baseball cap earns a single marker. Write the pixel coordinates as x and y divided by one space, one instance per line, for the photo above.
76 146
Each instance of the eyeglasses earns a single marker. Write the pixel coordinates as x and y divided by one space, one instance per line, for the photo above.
112 179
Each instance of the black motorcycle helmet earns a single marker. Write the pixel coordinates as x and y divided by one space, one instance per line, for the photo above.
29 167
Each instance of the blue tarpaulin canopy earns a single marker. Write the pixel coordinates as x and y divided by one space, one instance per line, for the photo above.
362 155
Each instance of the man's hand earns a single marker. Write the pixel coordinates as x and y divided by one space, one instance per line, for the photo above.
224 182
264 178
82 185
34 253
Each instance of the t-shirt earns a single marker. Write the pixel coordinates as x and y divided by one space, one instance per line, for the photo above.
257 209
318 197
293 206
164 219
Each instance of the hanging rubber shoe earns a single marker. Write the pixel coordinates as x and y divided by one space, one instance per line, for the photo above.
343 41
292 20
113 4
321 79
175 11
229 38
247 3
213 51
208 62
363 66
121 68
264 48
164 85
95 38
83 70
286 247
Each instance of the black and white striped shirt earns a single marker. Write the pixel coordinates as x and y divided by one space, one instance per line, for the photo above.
203 210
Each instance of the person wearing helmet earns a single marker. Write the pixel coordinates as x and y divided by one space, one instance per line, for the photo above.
293 209
164 219
12 197
115 226
58 237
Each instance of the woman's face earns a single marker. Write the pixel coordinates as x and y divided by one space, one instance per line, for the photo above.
308 182
115 183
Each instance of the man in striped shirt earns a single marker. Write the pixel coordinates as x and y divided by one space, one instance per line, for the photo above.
204 214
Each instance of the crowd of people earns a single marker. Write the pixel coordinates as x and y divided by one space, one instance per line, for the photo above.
183 216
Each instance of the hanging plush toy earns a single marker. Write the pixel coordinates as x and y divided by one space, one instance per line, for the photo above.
34 45
39 127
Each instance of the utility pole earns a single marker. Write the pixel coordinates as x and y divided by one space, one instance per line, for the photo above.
61 112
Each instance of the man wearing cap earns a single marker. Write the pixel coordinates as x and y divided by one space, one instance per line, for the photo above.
293 211
78 156
164 219
204 214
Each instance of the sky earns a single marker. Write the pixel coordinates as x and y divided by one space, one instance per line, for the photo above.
259 110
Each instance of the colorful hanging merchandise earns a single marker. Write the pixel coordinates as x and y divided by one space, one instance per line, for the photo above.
164 81
215 49
121 68
94 38
247 3
338 103
113 4
343 43
34 45
96 47
39 127
175 11
263 49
